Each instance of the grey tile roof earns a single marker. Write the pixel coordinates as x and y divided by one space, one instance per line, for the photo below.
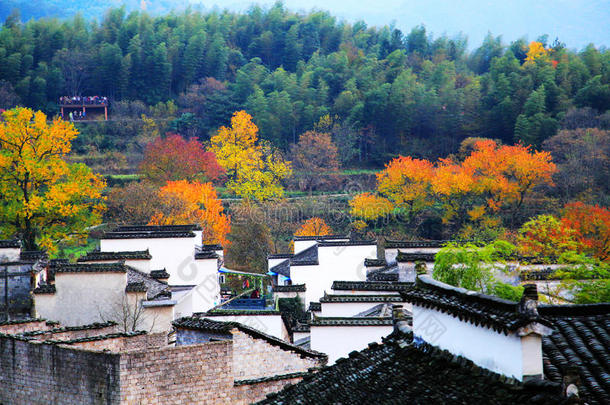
479 309
414 257
398 372
140 282
289 288
282 268
147 235
9 243
581 340
244 312
205 324
118 267
371 286
315 307
330 243
405 244
375 262
351 321
158 228
159 274
125 255
320 237
330 298
308 255
45 289
33 255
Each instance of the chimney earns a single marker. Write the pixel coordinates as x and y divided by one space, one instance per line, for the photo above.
400 320
528 306
381 248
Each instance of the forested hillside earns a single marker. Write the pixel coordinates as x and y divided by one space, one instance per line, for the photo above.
386 92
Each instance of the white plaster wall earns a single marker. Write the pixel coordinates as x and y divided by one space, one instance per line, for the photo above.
273 262
339 341
344 263
200 298
346 309
485 347
299 335
176 255
300 245
269 324
82 298
157 319
532 355
9 254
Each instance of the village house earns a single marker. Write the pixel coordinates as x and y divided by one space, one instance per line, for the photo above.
465 347
212 362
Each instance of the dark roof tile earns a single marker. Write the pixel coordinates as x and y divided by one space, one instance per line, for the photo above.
107 256
370 286
330 298
9 243
289 288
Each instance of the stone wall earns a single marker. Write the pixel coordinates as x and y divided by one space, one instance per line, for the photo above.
193 374
256 358
35 373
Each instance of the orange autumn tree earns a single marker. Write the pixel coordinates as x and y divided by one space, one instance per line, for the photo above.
314 227
506 174
490 179
591 225
403 187
184 202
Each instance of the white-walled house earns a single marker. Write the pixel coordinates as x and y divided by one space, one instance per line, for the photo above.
502 336
85 293
266 321
338 336
175 248
137 259
320 262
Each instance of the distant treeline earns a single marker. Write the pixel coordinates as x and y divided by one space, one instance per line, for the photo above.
384 92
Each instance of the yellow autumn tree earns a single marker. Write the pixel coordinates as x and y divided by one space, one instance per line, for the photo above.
44 199
314 227
535 51
255 169
183 202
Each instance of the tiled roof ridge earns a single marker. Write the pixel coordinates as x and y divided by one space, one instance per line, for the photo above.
319 237
371 285
187 323
148 235
120 255
10 243
479 309
370 242
368 262
305 263
95 325
162 228
277 377
290 288
157 274
221 312
395 243
95 338
416 256
328 298
351 321
117 267
315 306
22 321
45 289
